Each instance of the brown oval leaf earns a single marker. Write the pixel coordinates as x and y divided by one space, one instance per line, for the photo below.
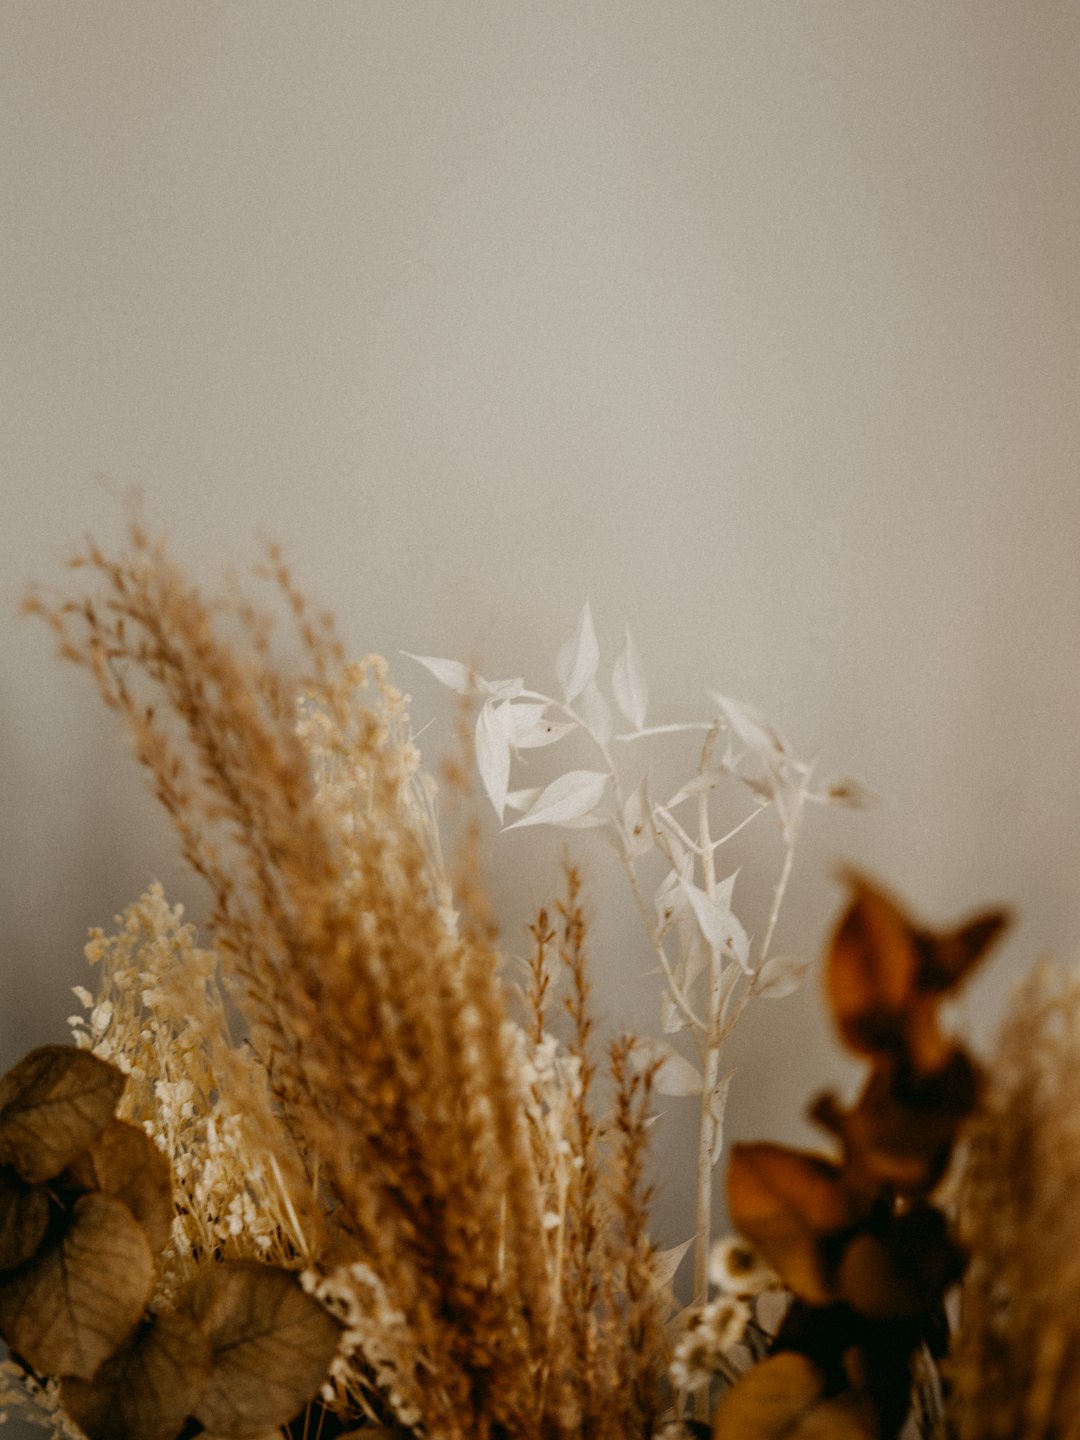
785 1202
54 1103
782 1399
872 972
149 1387
844 1417
123 1161
73 1305
904 1273
272 1346
769 1400
24 1218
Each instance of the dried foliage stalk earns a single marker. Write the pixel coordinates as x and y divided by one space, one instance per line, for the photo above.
420 1141
1015 1365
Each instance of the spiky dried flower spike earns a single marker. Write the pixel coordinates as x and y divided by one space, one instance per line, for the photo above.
867 1255
1015 1363
381 1122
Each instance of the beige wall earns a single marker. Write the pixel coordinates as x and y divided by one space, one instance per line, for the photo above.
757 323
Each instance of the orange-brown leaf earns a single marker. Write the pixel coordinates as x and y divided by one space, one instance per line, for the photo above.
904 1273
783 1398
53 1104
872 972
24 1218
147 1389
902 1129
123 1161
786 1203
271 1342
80 1298
769 1401
951 957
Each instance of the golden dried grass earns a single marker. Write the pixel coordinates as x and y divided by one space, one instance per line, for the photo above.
415 1143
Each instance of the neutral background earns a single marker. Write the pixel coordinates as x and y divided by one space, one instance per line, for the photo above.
756 323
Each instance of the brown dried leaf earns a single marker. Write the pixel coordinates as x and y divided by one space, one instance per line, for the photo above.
149 1387
272 1345
886 975
124 1162
902 1129
53 1104
951 957
782 1399
785 1202
768 1401
904 1273
24 1218
872 972
72 1306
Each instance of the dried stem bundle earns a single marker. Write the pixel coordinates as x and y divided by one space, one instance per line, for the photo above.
435 1165
1015 1365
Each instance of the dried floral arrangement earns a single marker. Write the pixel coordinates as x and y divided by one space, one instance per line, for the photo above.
347 1167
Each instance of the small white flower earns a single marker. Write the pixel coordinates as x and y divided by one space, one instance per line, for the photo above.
736 1268
709 1332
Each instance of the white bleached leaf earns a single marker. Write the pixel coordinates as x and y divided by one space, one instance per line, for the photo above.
672 1018
520 800
729 978
637 831
567 799
665 1264
628 684
519 719
577 660
718 922
675 1075
493 755
698 727
667 897
780 976
717 1107
752 729
595 712
675 847
502 689
452 673
464 680
695 955
706 780
544 732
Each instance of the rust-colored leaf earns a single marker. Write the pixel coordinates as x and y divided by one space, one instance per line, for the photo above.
872 970
904 1273
783 1398
886 975
951 957
768 1402
53 1104
902 1129
843 1417
272 1345
786 1203
78 1300
149 1387
124 1162
24 1218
